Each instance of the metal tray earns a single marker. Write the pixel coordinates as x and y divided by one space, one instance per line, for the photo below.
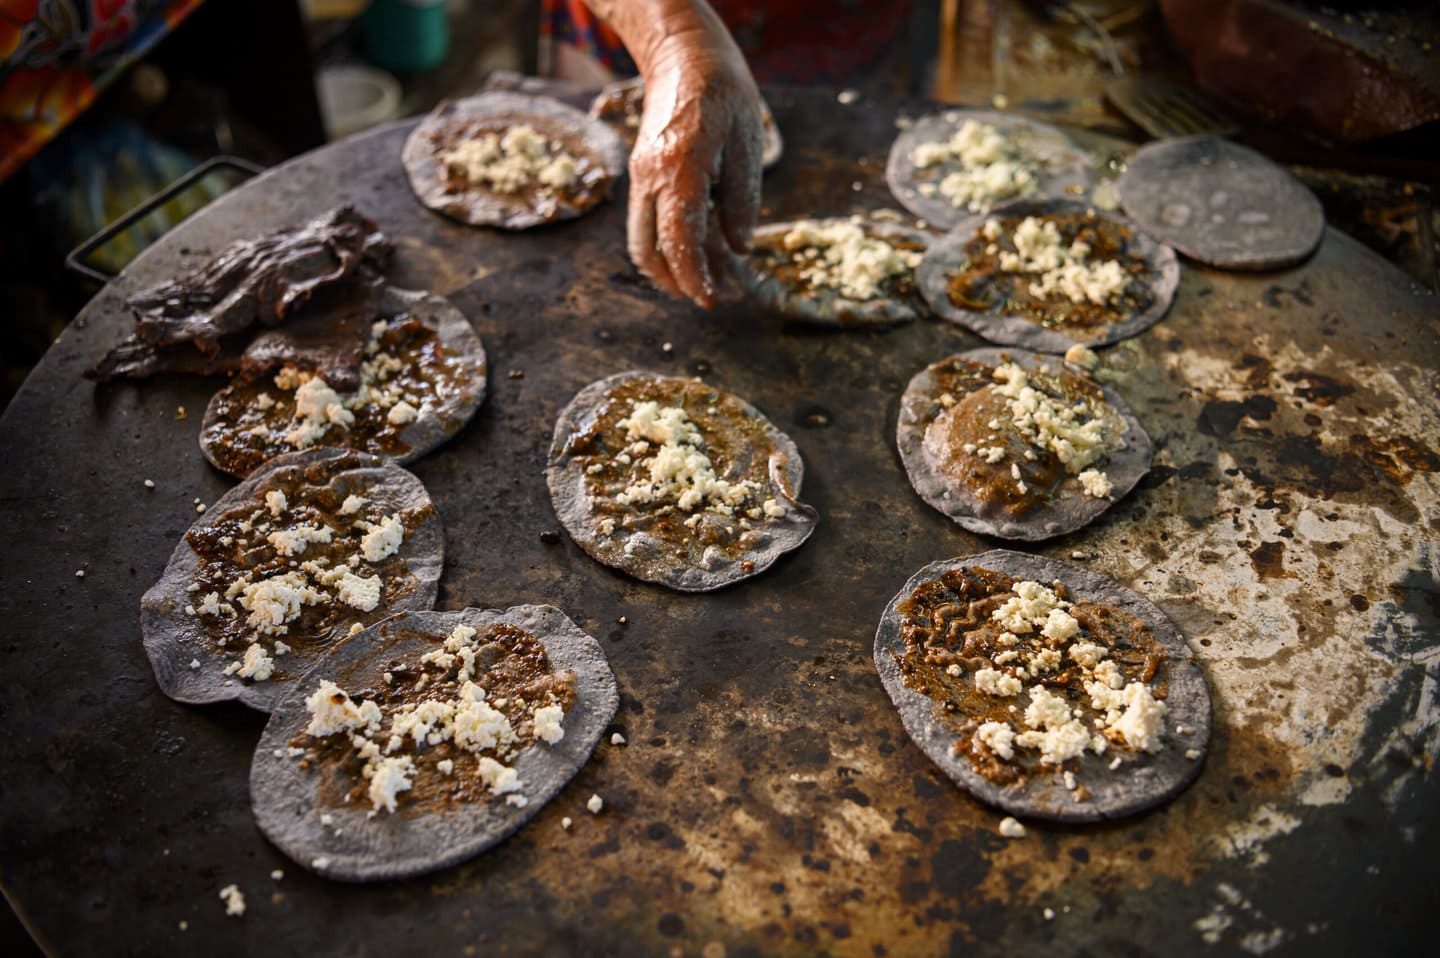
768 800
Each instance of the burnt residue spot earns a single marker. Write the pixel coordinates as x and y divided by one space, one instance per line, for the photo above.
1275 296
1359 603
670 924
1157 476
1319 389
1397 457
1080 854
853 794
814 417
1257 370
1197 470
550 537
958 866
1327 474
1220 417
664 834
662 773
1268 558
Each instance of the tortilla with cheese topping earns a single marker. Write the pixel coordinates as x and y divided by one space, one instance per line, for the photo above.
512 160
1043 688
282 567
676 482
1049 274
843 271
428 738
1018 445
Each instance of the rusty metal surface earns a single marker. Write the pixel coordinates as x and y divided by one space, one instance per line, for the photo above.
768 800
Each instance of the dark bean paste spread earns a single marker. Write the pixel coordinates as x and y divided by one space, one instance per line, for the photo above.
407 364
735 441
960 439
234 545
512 667
592 182
949 634
982 286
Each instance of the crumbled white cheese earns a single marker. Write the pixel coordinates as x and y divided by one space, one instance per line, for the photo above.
384 539
1087 654
352 505
358 591
276 502
843 256
500 779
331 711
234 901
1077 435
1010 828
566 822
401 413
1143 724
679 470
294 541
991 167
521 157
617 739
1082 356
258 664
1029 608
317 408
998 737
993 682
445 766
548 719
1095 483
392 775
277 874
595 804
1061 271
274 602
1052 728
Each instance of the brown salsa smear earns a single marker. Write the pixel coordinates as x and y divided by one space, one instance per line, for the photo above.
515 671
245 431
233 545
982 286
949 634
736 442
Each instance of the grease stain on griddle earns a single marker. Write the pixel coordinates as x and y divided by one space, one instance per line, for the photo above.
1268 560
1221 417
1318 388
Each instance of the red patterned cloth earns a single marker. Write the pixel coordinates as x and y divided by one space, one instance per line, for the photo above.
57 55
786 41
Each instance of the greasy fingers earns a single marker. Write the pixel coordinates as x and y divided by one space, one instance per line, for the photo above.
739 186
680 216
642 241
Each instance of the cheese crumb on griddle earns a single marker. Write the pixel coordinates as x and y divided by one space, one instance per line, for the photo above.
234 901
1010 828
678 469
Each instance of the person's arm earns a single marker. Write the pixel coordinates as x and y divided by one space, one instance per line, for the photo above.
699 138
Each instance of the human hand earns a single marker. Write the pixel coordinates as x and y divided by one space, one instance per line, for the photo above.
695 167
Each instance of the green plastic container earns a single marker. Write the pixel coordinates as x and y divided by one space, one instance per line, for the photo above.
406 36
